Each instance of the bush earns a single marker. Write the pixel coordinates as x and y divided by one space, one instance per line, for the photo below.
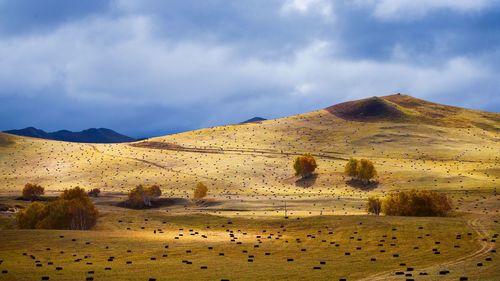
351 168
200 191
374 205
32 191
304 165
76 193
417 203
365 170
362 170
141 196
94 192
72 210
31 215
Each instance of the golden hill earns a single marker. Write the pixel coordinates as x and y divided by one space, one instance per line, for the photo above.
414 144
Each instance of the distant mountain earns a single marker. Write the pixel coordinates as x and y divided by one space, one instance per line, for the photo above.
254 120
92 135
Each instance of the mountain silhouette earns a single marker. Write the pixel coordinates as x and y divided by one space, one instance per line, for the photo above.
93 135
254 120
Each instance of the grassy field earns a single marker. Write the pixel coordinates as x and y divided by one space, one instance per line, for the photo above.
156 244
248 170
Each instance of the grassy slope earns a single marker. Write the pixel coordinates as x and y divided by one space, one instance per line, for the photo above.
253 161
248 171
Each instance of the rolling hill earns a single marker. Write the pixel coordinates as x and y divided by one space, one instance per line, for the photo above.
326 234
414 143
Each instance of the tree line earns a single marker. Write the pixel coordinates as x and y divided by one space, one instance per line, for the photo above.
415 203
403 203
73 209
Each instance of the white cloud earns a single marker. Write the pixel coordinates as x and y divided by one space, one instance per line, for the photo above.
122 61
415 9
321 7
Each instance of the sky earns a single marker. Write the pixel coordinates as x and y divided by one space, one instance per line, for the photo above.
152 67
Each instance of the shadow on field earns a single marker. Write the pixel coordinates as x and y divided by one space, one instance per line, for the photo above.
207 203
307 182
362 185
161 202
39 198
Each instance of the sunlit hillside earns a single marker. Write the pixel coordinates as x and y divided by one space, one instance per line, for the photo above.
258 217
413 143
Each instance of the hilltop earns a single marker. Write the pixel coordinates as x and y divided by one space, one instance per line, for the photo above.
92 135
370 109
407 109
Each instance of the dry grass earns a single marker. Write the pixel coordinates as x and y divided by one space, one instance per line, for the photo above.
248 171
308 241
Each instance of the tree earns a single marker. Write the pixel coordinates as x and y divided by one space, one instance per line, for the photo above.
77 193
154 191
374 205
365 170
83 215
31 215
200 191
362 170
304 165
351 168
420 203
141 196
135 197
32 191
94 192
72 210
57 216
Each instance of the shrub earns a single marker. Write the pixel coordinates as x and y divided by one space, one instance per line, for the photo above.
351 168
31 215
141 197
75 193
94 192
32 191
417 203
362 170
374 205
365 170
72 210
304 165
200 191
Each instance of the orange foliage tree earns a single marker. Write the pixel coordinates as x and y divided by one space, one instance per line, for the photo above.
72 210
32 191
362 170
141 196
420 203
200 191
304 165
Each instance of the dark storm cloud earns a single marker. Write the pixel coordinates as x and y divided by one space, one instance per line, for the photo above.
154 67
